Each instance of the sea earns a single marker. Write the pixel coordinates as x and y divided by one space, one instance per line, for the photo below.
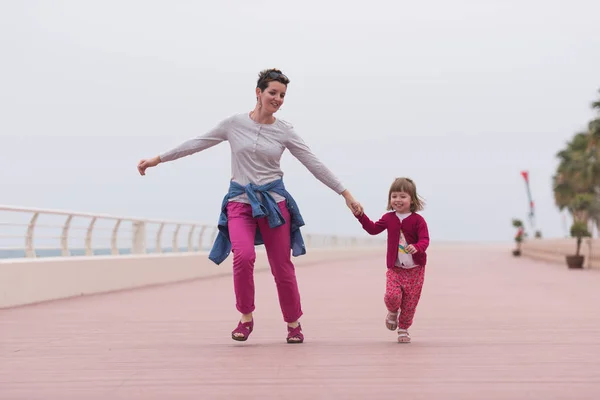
45 253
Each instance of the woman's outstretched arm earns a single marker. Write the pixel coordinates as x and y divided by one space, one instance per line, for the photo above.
299 149
211 138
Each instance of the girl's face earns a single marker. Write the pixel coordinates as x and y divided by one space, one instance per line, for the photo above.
272 98
401 202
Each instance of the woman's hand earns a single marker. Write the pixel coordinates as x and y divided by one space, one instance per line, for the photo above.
151 162
352 204
355 207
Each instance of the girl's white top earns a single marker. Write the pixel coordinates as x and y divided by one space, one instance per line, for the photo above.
404 260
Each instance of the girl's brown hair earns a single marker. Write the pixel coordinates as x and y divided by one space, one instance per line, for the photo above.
406 185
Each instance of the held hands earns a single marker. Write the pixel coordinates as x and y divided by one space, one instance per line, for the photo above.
411 249
143 164
352 204
355 207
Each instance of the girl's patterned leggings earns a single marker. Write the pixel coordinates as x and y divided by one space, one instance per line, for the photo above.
403 291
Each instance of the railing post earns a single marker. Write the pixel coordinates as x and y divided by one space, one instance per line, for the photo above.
158 244
200 237
88 238
214 235
190 235
589 255
174 244
114 249
29 248
64 238
138 245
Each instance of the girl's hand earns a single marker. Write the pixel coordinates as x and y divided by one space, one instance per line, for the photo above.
411 249
355 207
352 204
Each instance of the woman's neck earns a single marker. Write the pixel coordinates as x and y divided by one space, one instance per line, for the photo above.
261 117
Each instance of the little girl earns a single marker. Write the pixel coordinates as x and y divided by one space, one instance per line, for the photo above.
408 239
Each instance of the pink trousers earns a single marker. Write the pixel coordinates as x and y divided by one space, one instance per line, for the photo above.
242 228
403 291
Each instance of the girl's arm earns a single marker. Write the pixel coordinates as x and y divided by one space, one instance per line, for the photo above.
423 235
373 228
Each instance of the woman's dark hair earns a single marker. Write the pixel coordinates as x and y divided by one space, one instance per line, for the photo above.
269 75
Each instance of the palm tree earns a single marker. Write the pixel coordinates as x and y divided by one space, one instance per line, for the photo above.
577 179
594 129
576 171
596 104
594 125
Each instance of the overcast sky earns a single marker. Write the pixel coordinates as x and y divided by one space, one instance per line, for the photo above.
458 95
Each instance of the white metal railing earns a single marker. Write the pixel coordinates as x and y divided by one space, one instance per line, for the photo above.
22 234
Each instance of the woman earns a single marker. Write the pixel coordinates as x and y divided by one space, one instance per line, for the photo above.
257 209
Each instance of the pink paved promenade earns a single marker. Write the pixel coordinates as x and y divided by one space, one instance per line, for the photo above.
489 326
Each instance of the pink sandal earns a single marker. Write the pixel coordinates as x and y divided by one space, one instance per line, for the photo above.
295 334
245 328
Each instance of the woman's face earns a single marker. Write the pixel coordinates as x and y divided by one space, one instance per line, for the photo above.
272 98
